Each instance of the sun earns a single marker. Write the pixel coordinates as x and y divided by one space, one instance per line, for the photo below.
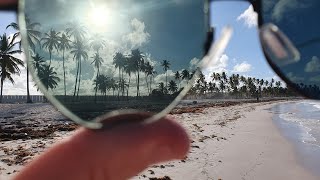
99 18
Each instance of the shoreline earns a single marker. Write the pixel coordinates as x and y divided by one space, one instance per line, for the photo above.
305 147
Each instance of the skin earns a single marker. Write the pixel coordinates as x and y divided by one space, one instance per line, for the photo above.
116 153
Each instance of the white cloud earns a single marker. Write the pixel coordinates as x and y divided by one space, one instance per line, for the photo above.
218 66
242 68
138 36
313 65
249 16
194 63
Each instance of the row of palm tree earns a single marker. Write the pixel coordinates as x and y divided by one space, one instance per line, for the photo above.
73 40
238 86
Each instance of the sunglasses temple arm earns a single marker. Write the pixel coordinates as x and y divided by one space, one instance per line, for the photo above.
217 48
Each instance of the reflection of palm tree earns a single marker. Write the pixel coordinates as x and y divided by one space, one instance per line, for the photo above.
166 65
38 62
64 45
173 86
97 61
79 51
33 36
8 63
51 42
48 77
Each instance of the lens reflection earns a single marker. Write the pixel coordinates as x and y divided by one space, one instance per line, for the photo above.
299 22
99 56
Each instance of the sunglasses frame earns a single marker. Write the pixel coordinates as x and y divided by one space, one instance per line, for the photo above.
257 6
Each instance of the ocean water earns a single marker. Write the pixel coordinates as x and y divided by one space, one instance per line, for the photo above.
299 122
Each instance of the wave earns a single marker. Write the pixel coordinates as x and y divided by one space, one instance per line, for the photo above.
308 127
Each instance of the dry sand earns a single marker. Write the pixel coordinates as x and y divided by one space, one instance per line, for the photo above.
234 142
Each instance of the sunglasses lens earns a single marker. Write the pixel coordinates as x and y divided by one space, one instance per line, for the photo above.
91 57
291 41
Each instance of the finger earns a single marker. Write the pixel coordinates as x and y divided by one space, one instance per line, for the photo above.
8 2
117 153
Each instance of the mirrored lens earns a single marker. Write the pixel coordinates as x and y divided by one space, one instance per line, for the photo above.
99 56
299 22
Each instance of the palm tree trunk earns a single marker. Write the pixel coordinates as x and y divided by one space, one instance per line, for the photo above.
123 85
1 90
64 79
147 83
75 86
166 79
50 57
128 87
79 79
119 88
95 94
28 92
138 84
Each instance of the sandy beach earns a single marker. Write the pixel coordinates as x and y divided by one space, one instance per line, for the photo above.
234 141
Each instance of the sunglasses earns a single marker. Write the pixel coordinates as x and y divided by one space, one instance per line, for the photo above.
97 58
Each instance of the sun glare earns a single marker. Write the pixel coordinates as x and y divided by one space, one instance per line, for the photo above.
99 18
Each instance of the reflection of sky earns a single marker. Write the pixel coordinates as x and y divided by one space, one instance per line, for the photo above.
299 21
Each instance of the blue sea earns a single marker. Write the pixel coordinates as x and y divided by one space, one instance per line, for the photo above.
299 122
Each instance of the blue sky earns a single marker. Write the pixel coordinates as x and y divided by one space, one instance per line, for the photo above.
243 54
244 51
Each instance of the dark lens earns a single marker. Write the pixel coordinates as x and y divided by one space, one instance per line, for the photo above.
95 57
299 21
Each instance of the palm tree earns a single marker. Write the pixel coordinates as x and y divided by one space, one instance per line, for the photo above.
173 86
166 65
97 42
103 84
48 77
97 61
63 46
77 30
80 53
119 61
51 42
137 58
33 36
9 64
38 62
185 75
177 76
162 88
